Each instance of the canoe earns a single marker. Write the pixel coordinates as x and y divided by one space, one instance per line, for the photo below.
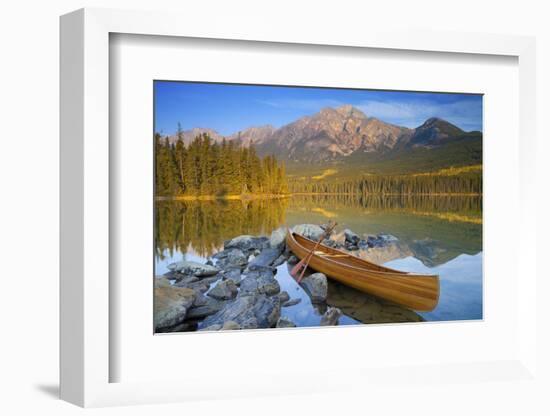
419 292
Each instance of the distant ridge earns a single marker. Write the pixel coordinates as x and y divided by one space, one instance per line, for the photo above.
347 135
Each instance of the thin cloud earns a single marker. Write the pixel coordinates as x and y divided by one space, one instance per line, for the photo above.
299 104
413 113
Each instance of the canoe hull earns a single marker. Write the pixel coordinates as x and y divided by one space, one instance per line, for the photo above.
414 291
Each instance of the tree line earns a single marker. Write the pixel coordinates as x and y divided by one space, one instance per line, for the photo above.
206 168
469 183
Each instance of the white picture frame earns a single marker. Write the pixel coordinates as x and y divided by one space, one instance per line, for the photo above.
86 356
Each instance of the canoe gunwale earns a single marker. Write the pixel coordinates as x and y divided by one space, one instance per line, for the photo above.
415 291
390 271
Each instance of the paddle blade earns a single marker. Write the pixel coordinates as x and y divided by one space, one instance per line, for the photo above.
296 269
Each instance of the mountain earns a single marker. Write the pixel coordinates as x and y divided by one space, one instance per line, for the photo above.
347 138
331 134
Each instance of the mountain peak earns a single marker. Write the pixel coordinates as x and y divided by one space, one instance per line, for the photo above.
348 110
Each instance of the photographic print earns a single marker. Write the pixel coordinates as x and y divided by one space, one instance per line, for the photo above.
288 206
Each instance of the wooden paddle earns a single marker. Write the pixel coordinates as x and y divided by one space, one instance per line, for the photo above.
304 263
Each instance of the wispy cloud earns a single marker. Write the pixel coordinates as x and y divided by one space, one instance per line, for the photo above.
413 113
301 104
410 113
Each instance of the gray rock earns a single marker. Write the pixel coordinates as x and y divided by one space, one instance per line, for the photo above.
351 237
171 305
292 302
363 245
285 322
316 287
280 260
193 268
240 310
233 257
331 316
161 281
266 258
311 231
209 307
224 290
267 311
230 325
250 311
283 296
234 275
247 243
261 282
215 327
292 259
277 239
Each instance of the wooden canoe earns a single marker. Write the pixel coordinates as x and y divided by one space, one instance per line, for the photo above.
419 292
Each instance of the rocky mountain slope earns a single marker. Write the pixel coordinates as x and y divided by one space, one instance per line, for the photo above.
347 135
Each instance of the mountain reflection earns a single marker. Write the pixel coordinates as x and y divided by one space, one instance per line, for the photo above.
432 229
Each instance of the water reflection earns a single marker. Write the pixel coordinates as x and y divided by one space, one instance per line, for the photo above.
441 235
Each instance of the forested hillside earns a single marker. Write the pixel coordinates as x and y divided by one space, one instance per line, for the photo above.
205 168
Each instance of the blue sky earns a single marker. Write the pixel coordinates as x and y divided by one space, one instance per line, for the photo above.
228 108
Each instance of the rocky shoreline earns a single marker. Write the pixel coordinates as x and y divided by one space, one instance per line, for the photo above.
237 288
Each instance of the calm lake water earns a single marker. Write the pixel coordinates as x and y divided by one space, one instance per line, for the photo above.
438 235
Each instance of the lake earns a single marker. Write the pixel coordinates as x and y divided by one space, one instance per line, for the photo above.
436 234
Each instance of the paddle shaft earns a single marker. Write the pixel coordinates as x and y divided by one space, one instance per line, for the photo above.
303 264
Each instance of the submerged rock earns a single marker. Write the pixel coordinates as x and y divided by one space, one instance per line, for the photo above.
193 268
283 296
316 287
285 322
311 231
171 305
331 316
291 302
224 290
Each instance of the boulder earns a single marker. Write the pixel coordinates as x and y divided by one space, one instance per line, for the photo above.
171 305
230 325
280 260
331 316
285 322
232 257
193 268
266 258
215 327
260 280
311 231
240 310
292 259
161 281
267 311
232 274
249 311
247 243
277 239
351 237
224 290
316 287
209 307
